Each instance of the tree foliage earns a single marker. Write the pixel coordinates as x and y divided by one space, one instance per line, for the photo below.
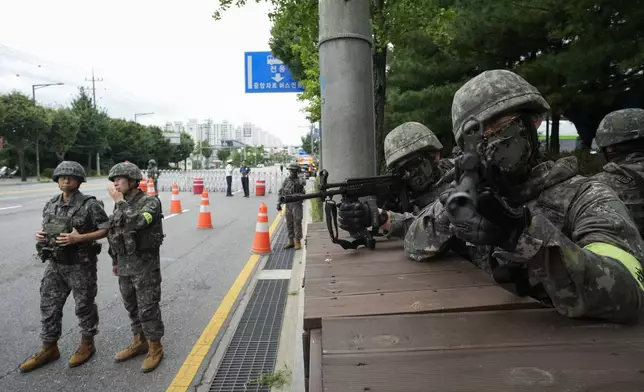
77 133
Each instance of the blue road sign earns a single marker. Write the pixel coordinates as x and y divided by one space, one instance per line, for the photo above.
266 74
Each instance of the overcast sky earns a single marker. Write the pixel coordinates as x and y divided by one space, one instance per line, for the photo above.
161 56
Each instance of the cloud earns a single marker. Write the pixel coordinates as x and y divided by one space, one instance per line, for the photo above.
166 57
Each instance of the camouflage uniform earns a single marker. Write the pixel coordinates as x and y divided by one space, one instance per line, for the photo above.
623 132
153 173
293 185
135 236
579 244
70 268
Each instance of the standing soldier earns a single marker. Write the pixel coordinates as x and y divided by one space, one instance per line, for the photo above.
153 173
66 239
292 185
135 236
621 138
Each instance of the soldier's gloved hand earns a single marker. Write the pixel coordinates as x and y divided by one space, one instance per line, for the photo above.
279 206
478 231
354 216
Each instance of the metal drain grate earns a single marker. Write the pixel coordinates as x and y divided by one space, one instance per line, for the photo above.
280 259
253 348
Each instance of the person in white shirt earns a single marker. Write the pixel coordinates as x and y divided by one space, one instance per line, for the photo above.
229 177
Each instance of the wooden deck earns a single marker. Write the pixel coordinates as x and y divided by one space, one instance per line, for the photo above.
377 321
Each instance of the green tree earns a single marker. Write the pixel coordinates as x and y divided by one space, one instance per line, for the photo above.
223 154
206 149
184 149
65 125
92 136
22 121
309 145
236 157
580 54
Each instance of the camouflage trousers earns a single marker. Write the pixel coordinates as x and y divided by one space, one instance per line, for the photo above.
56 285
141 295
294 214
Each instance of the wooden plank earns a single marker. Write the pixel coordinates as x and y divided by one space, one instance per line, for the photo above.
423 301
315 364
519 328
321 244
593 367
330 287
379 264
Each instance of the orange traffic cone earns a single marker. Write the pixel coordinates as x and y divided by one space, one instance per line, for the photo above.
151 190
175 203
143 185
205 220
262 242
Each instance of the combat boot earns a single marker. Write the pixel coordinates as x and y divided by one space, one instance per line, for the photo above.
85 351
289 245
298 245
154 357
48 353
139 346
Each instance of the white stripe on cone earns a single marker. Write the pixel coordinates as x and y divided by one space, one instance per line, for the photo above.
203 208
261 227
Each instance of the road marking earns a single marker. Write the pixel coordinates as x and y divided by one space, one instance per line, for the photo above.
170 216
9 208
190 366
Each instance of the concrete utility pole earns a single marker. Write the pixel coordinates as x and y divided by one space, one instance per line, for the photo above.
98 155
346 83
35 87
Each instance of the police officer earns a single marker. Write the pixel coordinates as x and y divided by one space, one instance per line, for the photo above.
621 137
293 185
66 241
245 172
135 236
229 177
411 149
572 238
153 173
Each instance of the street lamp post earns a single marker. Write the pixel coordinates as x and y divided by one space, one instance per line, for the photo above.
141 114
35 87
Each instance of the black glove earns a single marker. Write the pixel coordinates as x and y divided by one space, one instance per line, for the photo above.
357 215
354 216
279 206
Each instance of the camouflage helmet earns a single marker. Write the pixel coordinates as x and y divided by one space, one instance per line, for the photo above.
69 168
127 170
491 93
620 126
407 139
293 166
152 162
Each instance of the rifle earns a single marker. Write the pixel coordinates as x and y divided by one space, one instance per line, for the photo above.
477 193
351 190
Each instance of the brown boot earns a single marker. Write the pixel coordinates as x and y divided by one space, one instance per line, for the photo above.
154 357
289 245
139 346
298 245
48 353
85 351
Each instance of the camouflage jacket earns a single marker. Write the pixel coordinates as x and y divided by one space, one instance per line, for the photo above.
86 217
135 234
291 186
618 177
153 172
576 222
400 221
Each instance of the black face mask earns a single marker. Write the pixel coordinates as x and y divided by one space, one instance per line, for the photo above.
421 173
509 153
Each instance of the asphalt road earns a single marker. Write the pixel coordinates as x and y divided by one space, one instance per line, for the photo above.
198 268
